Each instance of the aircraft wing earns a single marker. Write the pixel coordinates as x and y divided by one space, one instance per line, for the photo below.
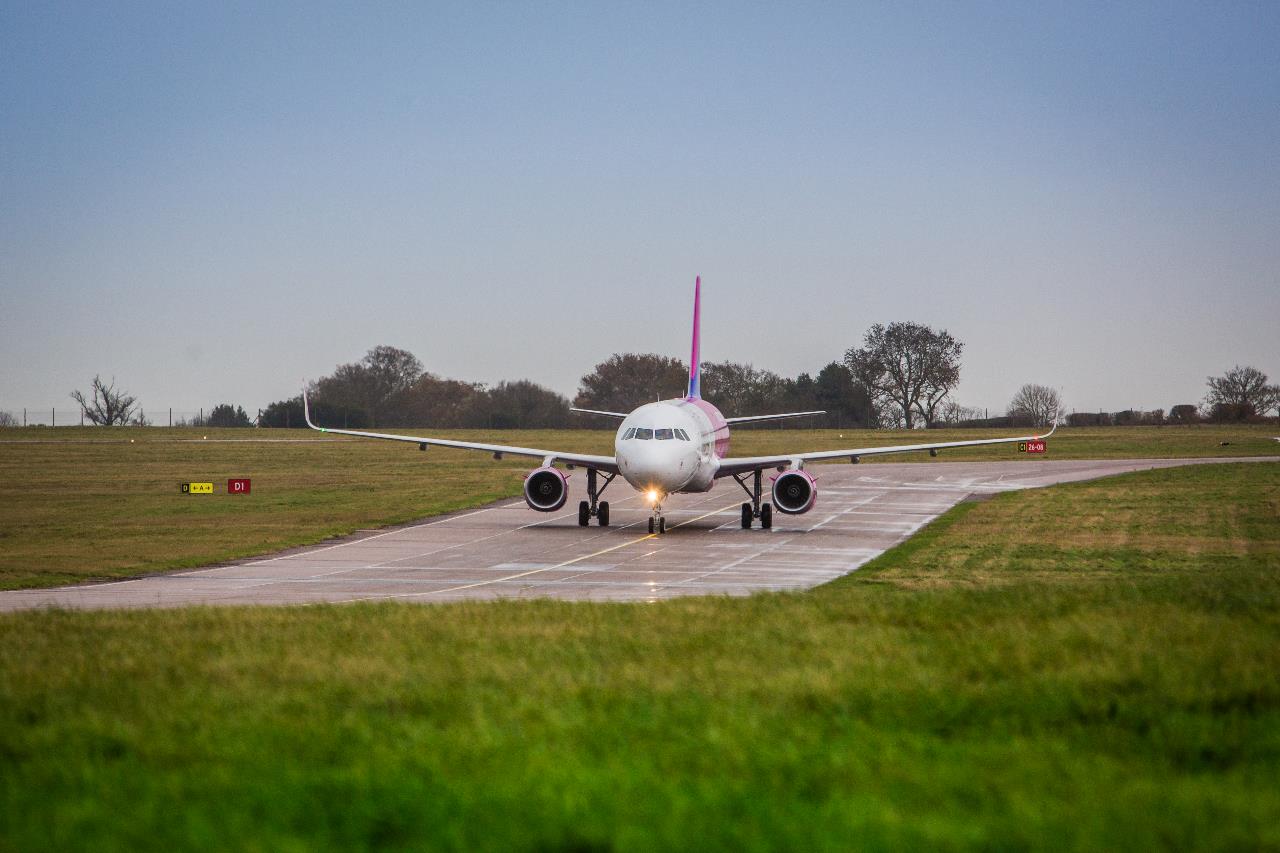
749 418
738 465
618 415
607 464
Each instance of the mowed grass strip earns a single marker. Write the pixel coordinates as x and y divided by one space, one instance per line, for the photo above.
90 504
1032 672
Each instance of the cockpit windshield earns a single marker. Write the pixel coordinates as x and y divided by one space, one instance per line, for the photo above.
663 434
644 434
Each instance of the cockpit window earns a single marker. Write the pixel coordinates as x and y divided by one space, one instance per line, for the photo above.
663 434
628 433
644 434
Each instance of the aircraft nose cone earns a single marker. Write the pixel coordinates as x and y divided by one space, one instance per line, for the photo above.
663 467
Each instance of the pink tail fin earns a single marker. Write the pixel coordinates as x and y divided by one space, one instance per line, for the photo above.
695 390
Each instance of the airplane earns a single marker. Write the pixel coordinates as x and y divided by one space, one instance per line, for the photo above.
671 446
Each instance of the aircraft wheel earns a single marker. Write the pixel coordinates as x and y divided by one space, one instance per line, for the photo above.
746 516
584 514
662 524
766 516
602 513
651 524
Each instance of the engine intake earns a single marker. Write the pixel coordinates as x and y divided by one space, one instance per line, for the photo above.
794 492
546 489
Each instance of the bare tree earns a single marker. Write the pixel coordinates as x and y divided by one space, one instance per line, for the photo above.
1038 405
954 413
108 406
1242 389
7 419
908 369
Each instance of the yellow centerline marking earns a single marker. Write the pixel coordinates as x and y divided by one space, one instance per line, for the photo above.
519 575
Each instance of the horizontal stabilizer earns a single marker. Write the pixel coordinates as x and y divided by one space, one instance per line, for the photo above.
749 418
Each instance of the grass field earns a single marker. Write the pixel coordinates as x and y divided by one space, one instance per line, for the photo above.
81 504
1090 666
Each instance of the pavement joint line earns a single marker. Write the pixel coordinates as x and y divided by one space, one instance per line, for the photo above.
515 576
539 571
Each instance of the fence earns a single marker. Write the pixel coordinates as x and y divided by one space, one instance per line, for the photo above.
73 416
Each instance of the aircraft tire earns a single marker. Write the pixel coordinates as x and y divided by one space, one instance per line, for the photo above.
746 516
651 524
766 516
602 513
584 514
662 524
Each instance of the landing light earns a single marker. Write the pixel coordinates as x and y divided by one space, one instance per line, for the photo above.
652 496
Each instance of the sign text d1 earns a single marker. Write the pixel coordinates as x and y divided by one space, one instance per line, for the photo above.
239 486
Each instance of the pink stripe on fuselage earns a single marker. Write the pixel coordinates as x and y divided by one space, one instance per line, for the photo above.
718 426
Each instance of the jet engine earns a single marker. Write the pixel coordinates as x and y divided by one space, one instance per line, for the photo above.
794 492
546 489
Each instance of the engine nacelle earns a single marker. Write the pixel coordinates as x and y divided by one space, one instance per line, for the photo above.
794 492
546 489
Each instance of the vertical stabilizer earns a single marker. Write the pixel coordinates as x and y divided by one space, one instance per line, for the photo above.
695 390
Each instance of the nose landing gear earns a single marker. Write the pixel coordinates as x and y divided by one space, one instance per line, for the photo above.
754 509
594 506
657 522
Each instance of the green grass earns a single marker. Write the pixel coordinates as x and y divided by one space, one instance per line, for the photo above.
1090 666
84 504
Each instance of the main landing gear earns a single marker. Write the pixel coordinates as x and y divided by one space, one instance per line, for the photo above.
754 509
594 506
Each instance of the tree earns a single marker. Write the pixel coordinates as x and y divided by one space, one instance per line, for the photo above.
1241 392
1184 413
525 405
741 389
283 413
627 380
846 403
365 386
108 406
908 369
226 415
441 403
7 419
953 413
1035 405
390 371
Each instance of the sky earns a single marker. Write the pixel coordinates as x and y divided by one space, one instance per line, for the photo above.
215 202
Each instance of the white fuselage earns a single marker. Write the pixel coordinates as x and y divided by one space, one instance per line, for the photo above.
671 446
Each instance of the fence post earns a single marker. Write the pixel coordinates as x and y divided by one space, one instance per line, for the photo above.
53 417
24 415
171 417
202 416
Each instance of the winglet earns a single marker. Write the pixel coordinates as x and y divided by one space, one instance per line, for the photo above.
1050 432
695 385
306 411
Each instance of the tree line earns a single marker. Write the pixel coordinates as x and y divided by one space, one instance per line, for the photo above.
903 375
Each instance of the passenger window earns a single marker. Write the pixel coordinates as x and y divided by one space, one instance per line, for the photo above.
628 433
663 434
644 434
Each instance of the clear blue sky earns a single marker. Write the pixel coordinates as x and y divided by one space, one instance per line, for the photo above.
214 202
